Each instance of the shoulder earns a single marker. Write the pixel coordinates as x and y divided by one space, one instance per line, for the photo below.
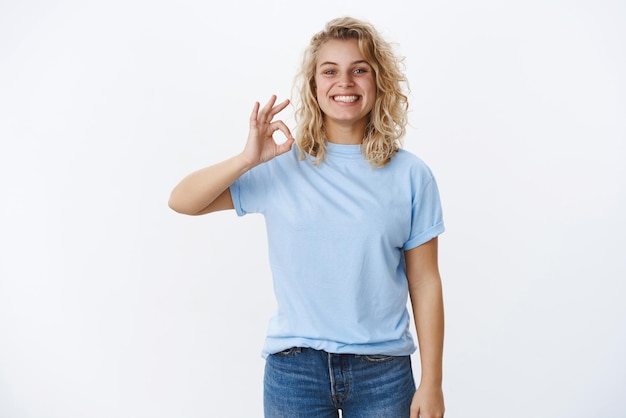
407 161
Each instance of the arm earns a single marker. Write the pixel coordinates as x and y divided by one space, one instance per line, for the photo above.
427 301
206 190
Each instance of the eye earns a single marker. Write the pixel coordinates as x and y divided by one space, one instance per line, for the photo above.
328 72
360 71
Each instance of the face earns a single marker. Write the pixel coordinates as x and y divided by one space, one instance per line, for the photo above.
345 84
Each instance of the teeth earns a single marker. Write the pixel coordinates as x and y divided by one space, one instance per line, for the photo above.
346 99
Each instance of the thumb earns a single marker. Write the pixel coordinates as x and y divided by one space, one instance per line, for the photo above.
285 146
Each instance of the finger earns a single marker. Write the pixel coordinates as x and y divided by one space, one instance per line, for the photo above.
285 146
279 107
279 125
265 113
268 112
254 114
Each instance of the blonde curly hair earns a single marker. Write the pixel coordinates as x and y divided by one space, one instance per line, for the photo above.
388 118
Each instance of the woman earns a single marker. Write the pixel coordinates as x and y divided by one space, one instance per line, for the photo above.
352 223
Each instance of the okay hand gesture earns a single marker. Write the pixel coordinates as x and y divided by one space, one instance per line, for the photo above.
261 146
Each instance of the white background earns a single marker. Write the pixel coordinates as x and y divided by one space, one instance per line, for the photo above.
112 305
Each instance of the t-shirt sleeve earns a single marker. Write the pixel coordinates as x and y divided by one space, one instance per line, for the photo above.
427 215
249 192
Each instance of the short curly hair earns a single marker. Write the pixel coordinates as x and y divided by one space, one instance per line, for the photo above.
388 118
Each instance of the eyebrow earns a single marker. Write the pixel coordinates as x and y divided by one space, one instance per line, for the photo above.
334 63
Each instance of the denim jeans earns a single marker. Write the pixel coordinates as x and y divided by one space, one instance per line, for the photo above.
302 383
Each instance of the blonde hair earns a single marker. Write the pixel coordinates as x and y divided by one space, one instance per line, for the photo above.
388 118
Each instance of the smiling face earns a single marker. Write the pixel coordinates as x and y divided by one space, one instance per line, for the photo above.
345 85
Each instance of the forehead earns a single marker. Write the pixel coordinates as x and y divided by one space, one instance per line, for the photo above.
339 51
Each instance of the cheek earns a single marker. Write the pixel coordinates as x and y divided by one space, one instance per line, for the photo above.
319 87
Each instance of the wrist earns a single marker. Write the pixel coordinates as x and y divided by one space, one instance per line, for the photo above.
245 163
431 381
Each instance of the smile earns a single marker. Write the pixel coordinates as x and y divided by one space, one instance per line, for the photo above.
346 99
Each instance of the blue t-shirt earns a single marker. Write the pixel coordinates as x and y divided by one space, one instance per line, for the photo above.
337 233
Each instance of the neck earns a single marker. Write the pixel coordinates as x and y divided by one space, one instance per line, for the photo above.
345 134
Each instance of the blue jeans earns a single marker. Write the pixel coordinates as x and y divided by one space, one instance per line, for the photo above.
302 383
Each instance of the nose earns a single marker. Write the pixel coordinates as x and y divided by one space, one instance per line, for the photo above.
346 80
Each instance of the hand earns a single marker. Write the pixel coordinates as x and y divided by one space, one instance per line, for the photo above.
261 146
427 403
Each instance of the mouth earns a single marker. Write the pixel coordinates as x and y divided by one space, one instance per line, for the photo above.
346 99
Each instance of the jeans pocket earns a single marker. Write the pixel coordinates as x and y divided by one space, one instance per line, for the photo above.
288 352
377 358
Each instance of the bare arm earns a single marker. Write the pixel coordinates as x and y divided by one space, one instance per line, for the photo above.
427 302
206 190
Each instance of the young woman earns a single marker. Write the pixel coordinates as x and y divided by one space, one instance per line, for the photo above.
352 223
